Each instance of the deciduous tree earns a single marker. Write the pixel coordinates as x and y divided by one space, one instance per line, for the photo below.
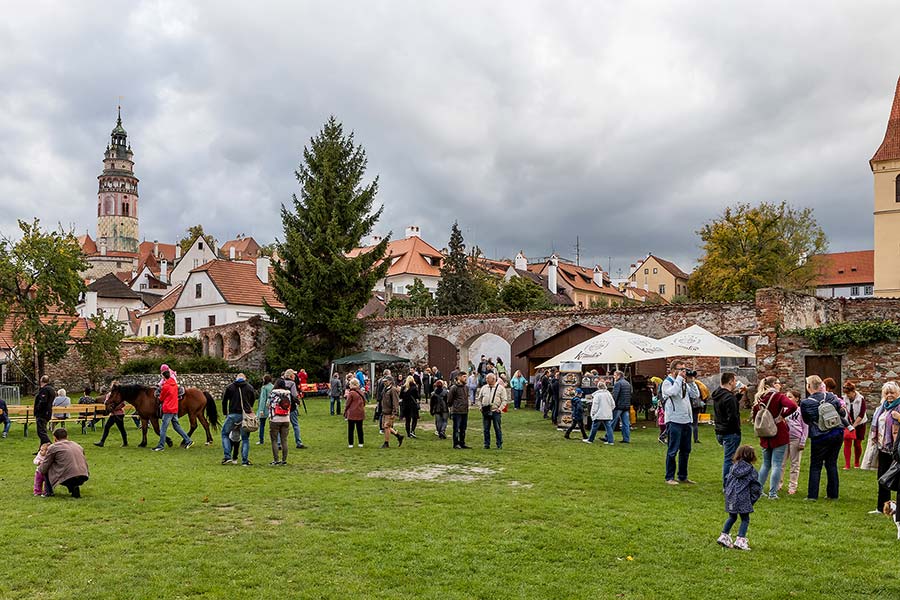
192 234
752 247
520 293
99 348
40 286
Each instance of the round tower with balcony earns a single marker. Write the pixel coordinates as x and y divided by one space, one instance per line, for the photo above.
117 197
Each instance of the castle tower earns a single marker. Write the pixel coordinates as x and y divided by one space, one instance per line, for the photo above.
117 197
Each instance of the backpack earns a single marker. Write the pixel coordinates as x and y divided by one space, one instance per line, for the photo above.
283 405
764 423
829 418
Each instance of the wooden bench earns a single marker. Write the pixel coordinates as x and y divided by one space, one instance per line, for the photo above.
87 413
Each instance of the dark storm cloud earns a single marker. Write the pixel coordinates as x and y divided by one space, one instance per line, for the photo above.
625 124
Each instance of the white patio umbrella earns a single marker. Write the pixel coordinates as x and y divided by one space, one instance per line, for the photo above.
696 341
615 346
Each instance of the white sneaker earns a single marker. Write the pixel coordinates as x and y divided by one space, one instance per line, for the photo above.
725 540
741 544
874 512
587 441
360 446
350 446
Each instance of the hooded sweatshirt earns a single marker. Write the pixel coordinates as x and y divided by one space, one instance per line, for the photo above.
742 488
727 412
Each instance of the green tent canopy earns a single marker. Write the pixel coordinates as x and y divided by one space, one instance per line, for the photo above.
369 356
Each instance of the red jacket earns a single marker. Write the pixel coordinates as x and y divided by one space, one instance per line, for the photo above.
781 406
168 395
302 377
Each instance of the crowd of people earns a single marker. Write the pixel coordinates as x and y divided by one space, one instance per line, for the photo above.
784 420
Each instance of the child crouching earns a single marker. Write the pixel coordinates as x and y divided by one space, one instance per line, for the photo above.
742 490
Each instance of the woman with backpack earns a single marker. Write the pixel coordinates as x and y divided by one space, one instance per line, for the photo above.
279 421
769 412
825 416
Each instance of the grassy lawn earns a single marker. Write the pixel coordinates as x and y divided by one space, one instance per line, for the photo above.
543 518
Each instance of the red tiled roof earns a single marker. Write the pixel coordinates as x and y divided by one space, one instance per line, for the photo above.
8 328
846 268
890 145
412 252
645 294
579 278
166 251
88 246
167 303
243 248
238 283
671 268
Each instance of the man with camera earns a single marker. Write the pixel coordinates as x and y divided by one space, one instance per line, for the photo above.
678 389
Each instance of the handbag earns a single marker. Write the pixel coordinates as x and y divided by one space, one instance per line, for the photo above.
870 458
849 434
891 477
250 422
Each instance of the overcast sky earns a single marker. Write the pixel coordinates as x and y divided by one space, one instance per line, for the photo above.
627 124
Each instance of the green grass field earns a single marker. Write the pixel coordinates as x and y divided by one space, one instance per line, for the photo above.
543 518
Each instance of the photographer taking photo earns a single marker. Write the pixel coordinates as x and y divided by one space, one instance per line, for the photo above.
678 389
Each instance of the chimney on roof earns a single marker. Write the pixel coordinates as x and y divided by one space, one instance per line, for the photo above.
521 261
177 251
598 276
551 274
412 231
262 269
632 284
90 304
164 270
231 253
156 248
103 246
133 274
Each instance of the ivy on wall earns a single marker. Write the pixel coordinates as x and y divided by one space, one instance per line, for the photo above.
851 333
171 344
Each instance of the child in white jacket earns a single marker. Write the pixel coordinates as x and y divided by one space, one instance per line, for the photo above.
601 413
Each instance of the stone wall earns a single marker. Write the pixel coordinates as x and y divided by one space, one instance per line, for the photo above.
71 374
214 383
242 344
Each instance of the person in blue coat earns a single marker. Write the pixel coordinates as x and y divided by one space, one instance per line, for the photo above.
742 490
577 414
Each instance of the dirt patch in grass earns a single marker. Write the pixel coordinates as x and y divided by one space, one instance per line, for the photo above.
438 473
520 485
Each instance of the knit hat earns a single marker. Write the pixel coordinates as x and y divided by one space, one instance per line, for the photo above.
164 368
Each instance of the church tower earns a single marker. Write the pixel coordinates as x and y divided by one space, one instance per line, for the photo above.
886 171
117 198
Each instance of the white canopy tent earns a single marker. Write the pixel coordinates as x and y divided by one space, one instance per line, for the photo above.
615 347
697 341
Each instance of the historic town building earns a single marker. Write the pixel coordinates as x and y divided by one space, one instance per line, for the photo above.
885 165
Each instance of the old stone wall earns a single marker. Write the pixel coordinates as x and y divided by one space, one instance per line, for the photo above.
214 383
242 344
71 374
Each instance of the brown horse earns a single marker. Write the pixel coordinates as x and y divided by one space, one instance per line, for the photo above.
192 404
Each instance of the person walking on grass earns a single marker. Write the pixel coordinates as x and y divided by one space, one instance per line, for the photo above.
409 405
826 436
492 398
262 411
335 392
115 415
458 404
236 401
355 413
742 490
290 377
602 409
43 409
439 409
65 465
278 407
622 397
678 390
168 397
390 410
728 420
577 415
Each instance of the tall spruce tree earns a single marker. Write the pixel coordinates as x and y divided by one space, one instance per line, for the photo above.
321 286
456 293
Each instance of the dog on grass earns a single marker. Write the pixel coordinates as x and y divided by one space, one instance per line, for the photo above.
890 508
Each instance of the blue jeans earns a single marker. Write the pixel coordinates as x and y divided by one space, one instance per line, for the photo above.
730 443
460 422
6 422
680 446
262 428
745 523
494 420
517 398
173 419
232 420
625 416
333 401
596 424
295 423
772 460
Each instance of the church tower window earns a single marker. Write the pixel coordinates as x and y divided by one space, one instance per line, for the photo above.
897 188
